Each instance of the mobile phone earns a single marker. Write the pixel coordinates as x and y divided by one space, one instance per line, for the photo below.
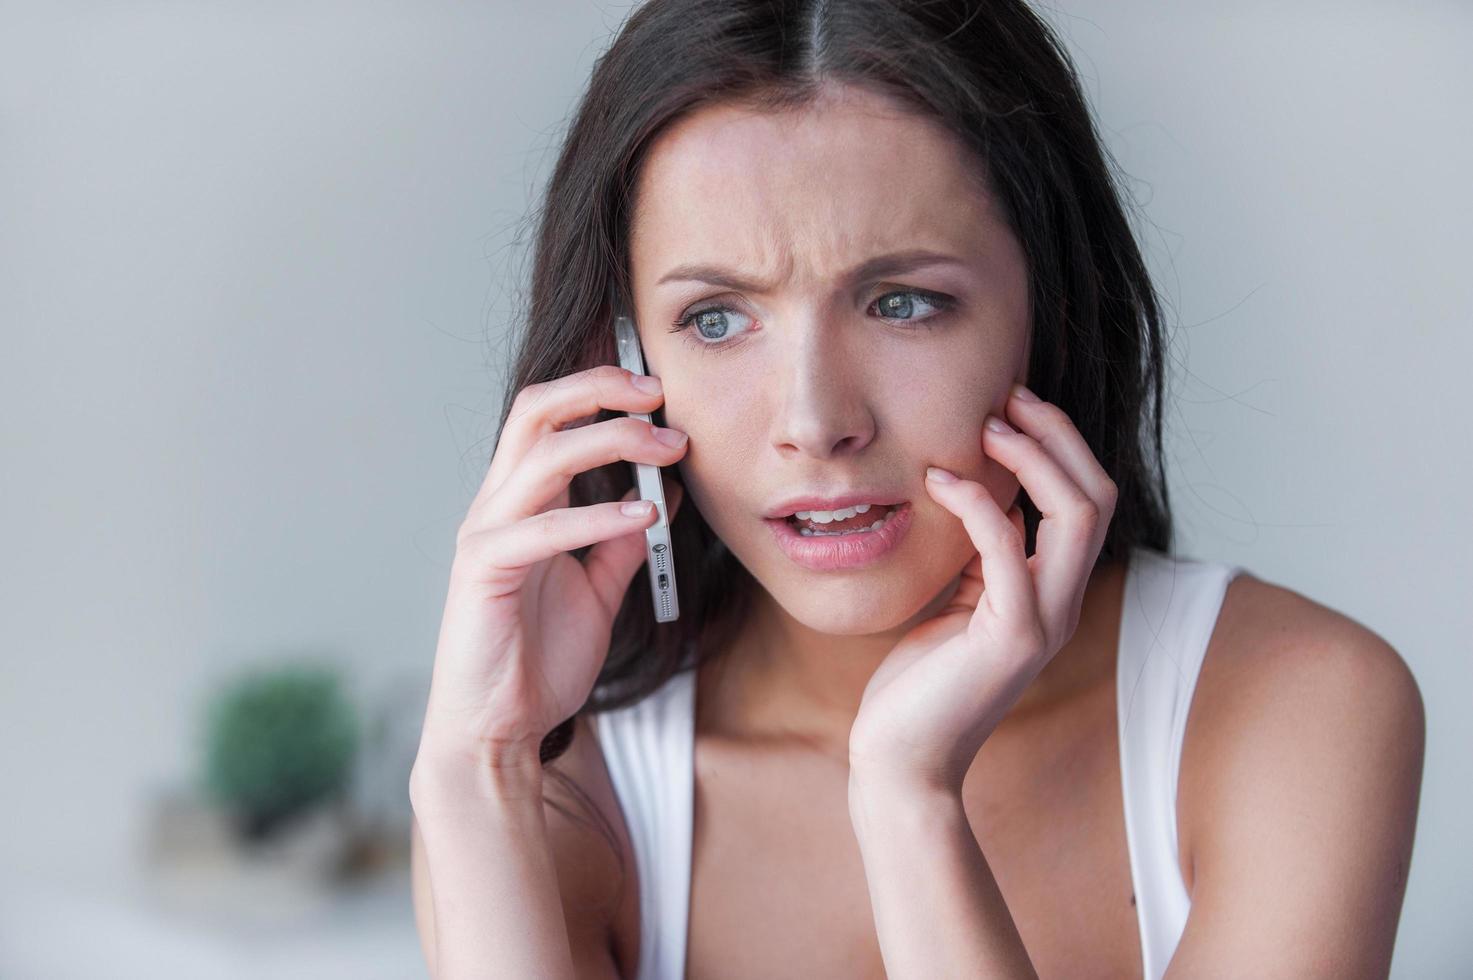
647 478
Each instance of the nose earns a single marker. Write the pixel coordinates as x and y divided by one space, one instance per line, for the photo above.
825 386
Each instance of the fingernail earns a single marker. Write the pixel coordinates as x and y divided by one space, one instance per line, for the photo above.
670 437
648 384
1023 394
998 425
939 475
636 508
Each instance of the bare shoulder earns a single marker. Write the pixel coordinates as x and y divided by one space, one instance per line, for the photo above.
1273 644
590 842
1299 692
1299 782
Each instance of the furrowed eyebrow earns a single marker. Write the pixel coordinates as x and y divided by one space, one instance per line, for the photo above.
891 263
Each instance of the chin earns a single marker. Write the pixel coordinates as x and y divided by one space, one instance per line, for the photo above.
824 618
855 606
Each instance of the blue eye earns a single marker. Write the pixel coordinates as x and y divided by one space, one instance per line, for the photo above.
905 307
713 323
710 322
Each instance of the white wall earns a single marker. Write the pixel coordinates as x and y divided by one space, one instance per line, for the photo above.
254 262
1304 169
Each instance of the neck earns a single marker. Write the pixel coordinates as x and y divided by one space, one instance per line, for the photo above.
781 680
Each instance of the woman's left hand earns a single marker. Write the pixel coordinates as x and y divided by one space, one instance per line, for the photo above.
941 691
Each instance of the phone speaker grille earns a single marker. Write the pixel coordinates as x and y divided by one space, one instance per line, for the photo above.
662 569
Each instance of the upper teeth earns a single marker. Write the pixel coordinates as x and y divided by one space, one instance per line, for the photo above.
829 516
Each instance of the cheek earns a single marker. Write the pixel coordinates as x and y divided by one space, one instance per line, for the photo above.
959 377
942 422
949 392
697 411
721 448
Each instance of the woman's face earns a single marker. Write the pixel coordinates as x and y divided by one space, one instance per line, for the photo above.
812 374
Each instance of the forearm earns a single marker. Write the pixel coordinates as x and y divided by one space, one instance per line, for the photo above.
497 910
938 911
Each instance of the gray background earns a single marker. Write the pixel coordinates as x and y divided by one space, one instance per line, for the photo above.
255 264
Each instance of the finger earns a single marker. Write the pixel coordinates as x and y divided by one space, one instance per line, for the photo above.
1016 516
1008 587
549 406
501 557
612 563
549 468
969 587
1070 533
1051 426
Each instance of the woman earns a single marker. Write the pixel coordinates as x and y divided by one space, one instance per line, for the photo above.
877 256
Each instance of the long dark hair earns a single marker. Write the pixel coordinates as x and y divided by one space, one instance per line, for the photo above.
996 75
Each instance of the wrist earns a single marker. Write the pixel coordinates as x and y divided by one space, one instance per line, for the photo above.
884 799
444 774
879 777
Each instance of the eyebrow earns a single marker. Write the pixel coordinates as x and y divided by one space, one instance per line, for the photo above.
891 263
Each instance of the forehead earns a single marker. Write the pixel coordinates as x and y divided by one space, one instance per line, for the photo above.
808 190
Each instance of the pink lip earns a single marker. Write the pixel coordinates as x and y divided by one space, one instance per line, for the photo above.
825 554
792 505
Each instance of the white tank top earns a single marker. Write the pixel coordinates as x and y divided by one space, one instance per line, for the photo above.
1170 607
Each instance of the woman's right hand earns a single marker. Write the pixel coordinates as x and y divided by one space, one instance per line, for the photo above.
526 625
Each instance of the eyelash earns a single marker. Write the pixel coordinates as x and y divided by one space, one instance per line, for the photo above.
942 303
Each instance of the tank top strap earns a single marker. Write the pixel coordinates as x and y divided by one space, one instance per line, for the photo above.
1170 607
648 748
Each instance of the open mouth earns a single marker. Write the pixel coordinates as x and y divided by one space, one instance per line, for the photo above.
868 522
853 543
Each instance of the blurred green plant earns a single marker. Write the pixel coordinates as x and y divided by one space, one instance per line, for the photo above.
280 741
